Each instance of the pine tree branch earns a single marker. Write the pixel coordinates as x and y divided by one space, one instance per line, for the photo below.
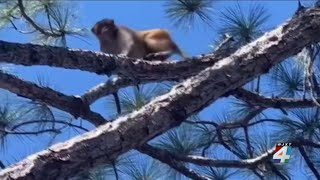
307 142
34 24
309 162
271 102
247 163
112 139
29 132
70 104
19 125
101 63
107 88
113 85
249 147
166 157
277 172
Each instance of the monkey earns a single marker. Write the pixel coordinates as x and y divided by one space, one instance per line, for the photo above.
151 44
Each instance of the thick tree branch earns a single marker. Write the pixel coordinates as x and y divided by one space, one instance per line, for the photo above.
70 104
112 139
113 85
101 63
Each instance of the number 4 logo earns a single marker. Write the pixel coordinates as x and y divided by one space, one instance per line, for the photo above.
282 154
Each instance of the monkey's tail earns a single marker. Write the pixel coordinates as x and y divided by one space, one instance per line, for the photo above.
177 50
117 101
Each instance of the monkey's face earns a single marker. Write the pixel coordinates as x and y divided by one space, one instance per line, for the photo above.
105 29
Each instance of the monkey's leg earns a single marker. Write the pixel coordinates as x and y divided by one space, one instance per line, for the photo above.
117 101
158 56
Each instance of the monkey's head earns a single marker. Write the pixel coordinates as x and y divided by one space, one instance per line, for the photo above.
105 29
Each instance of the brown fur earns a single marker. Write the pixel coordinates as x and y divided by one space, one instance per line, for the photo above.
149 44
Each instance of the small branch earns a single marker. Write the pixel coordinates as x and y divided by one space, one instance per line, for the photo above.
249 147
30 132
306 142
272 102
224 49
309 162
16 28
33 24
277 172
166 157
70 104
48 121
48 16
248 163
107 88
225 145
202 122
202 161
115 170
256 111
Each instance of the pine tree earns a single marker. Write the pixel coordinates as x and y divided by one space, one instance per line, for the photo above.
173 127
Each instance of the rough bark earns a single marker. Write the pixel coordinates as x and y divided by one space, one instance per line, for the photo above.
108 141
101 63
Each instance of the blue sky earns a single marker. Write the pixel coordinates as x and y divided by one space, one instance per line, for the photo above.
138 15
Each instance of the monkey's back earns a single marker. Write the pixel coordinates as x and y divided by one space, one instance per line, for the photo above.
157 40
154 34
127 42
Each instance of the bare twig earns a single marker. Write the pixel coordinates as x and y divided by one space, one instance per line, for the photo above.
29 132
